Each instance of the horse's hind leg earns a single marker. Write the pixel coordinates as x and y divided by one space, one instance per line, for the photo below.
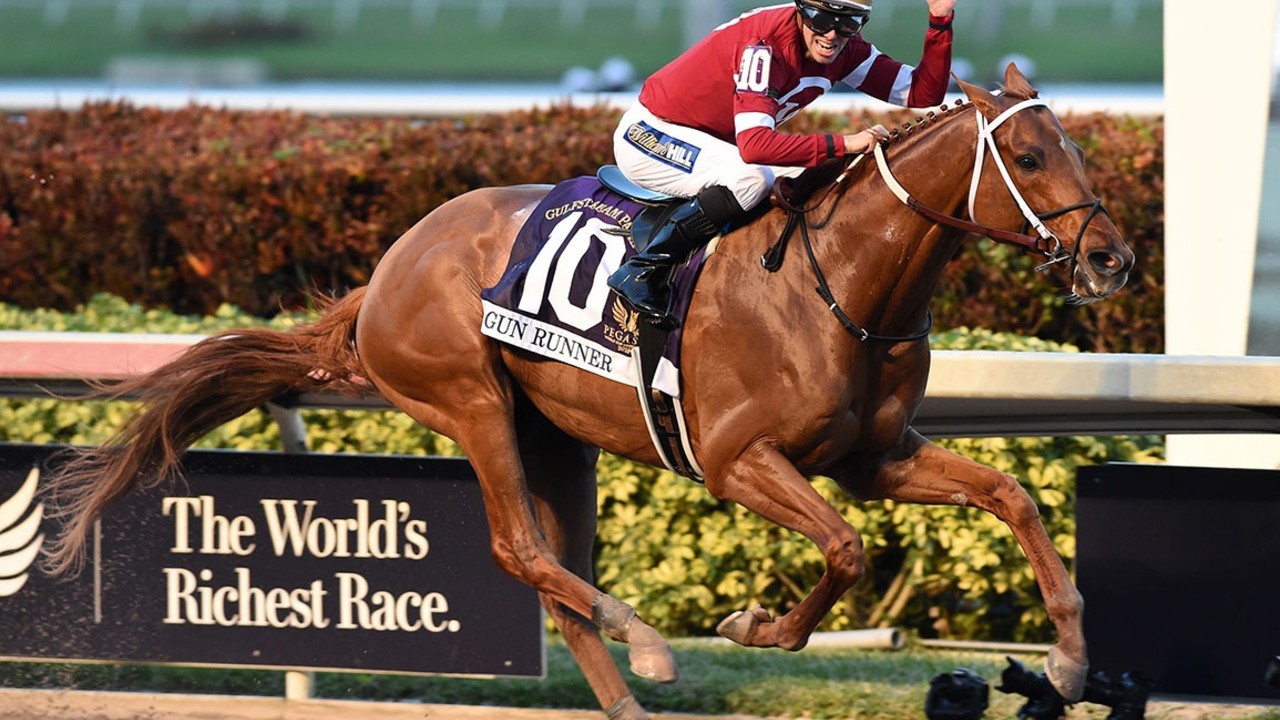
927 474
481 418
562 478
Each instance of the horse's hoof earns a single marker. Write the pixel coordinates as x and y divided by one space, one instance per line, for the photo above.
1067 676
656 664
741 627
626 709
651 656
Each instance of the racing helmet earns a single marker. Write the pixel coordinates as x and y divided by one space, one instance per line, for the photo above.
840 7
846 16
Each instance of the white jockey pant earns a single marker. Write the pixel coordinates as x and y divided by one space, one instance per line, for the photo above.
682 161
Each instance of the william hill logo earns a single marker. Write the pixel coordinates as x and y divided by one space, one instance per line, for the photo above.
663 147
20 537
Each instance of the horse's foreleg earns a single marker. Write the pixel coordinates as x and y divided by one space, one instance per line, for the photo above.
766 483
928 474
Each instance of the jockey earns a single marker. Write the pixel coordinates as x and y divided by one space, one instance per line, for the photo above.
705 126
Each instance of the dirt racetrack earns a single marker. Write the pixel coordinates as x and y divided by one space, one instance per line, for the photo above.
81 705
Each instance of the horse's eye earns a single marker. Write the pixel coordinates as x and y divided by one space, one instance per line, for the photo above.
1028 162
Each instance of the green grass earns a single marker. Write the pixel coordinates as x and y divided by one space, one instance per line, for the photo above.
384 43
715 679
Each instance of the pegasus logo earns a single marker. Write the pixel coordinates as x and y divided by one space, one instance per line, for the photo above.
627 333
20 540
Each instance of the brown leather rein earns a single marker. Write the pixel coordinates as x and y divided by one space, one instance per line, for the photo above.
1044 242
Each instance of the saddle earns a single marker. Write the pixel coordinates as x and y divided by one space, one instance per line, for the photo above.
552 299
662 412
657 206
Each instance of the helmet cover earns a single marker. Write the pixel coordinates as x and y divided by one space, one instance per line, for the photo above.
840 7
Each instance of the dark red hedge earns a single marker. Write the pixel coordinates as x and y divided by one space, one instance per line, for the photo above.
189 209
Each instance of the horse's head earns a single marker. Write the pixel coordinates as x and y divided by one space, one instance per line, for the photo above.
1030 175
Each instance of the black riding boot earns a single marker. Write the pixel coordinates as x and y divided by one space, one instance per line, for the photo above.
645 279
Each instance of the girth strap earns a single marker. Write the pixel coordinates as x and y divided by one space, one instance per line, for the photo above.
663 414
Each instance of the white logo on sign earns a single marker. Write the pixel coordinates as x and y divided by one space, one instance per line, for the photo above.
19 539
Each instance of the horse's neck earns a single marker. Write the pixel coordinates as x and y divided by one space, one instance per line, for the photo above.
887 258
933 162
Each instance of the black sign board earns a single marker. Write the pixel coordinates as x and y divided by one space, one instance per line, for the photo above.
344 562
1180 571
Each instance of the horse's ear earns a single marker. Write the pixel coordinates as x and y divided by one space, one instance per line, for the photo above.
983 100
1017 85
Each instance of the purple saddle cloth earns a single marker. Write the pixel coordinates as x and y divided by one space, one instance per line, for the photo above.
553 300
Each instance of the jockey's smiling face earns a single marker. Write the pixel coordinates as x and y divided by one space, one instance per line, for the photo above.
826 33
822 48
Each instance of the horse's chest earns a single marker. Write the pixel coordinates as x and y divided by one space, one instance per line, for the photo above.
867 422
886 424
882 411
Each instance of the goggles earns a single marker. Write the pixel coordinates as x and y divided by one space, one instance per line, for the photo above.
822 22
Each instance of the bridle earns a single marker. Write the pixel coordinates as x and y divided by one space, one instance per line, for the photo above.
1044 241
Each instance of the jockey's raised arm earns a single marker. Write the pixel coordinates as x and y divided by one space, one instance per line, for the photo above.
706 126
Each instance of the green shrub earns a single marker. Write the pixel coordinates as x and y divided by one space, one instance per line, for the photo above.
683 558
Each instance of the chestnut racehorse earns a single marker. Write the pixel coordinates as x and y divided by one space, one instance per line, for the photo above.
818 395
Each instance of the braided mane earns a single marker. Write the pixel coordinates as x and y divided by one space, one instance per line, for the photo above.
927 120
816 178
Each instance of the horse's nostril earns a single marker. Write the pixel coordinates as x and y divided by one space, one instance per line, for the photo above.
1105 263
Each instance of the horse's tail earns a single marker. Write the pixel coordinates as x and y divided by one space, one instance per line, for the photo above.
214 381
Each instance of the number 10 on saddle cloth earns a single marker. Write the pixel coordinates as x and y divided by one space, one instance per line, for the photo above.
552 300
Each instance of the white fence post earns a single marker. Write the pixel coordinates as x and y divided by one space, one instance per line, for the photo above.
573 13
1124 13
649 13
346 13
299 684
275 10
423 12
127 13
200 10
491 13
990 16
1043 13
55 12
703 16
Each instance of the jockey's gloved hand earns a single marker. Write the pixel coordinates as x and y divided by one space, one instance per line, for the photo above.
942 8
865 141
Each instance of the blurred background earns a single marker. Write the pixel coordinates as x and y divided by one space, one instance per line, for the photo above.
1264 316
576 45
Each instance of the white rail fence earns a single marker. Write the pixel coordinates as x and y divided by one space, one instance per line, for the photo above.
970 393
345 14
